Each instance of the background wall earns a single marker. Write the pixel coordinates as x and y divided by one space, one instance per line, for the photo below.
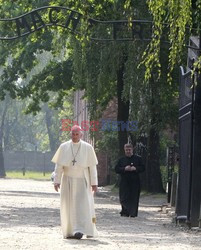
30 160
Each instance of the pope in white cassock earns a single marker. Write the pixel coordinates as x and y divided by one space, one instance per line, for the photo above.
76 175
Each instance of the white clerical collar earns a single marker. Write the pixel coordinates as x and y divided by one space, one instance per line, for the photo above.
76 143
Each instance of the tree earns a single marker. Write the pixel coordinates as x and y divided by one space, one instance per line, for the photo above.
154 106
99 68
34 78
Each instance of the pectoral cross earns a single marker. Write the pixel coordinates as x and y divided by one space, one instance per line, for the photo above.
74 161
74 155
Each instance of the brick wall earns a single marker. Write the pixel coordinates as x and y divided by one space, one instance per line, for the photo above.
111 110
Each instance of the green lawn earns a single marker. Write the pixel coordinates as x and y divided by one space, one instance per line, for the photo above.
28 175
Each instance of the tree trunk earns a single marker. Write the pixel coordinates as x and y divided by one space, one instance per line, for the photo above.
2 125
123 111
2 169
154 181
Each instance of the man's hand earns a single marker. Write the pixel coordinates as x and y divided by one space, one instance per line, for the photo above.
56 186
133 168
94 188
128 168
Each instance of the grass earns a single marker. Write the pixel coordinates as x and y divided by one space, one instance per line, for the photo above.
28 175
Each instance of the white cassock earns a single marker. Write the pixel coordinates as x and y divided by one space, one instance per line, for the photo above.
77 201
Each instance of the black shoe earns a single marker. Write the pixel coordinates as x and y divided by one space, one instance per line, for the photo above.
78 235
133 215
124 215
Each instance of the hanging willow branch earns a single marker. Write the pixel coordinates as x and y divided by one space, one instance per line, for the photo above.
177 14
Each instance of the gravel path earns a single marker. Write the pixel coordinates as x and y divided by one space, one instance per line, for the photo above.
29 219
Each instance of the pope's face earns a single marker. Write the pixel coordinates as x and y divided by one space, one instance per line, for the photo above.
76 135
128 151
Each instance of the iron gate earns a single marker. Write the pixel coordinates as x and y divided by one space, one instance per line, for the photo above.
185 145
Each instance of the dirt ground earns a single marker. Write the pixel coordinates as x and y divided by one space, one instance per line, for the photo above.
29 219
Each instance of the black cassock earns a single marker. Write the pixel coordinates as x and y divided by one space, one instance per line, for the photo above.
129 186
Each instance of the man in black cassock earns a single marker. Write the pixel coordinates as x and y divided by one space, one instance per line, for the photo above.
129 167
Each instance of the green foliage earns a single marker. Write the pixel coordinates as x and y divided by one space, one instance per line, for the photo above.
91 65
91 72
108 142
22 132
22 61
78 63
164 176
66 112
173 21
145 99
28 132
